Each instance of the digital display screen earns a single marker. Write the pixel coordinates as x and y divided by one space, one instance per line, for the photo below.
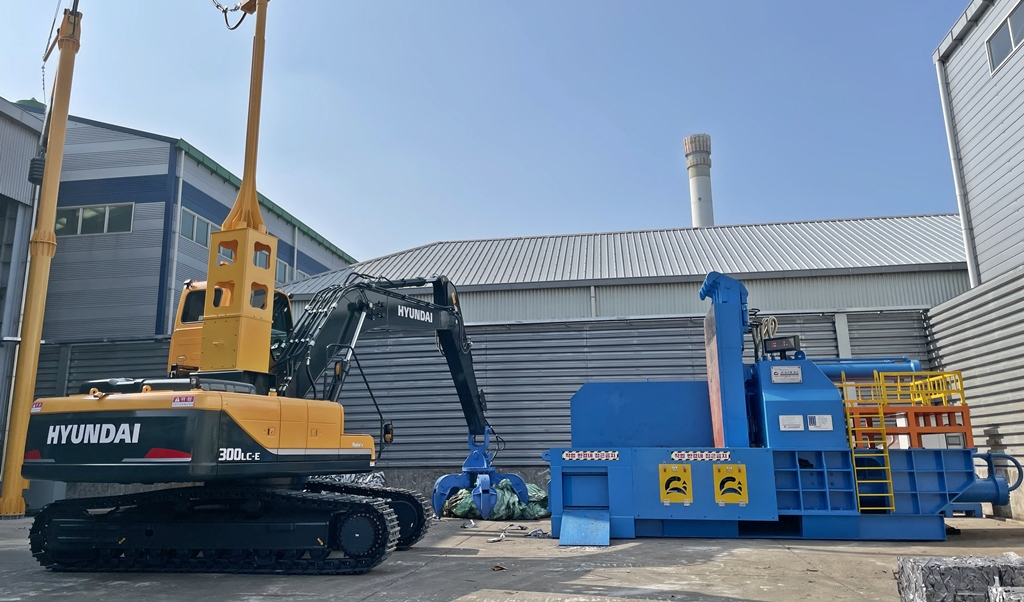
781 344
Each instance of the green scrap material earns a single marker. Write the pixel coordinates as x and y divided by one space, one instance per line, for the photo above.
508 507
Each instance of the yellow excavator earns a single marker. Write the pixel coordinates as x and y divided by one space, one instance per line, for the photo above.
250 411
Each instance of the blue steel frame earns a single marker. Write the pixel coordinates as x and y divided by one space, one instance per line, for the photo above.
800 494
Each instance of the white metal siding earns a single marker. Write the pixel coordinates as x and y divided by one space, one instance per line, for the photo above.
988 112
319 253
888 333
92 152
209 182
981 333
822 293
648 300
17 147
910 289
105 286
537 304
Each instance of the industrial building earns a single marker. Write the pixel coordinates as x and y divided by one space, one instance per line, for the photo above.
980 68
550 313
141 205
135 213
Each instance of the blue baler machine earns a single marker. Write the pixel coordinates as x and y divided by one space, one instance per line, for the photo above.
871 448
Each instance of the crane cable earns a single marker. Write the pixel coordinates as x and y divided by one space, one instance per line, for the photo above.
49 42
227 10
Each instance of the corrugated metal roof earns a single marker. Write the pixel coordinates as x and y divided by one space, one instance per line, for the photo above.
818 247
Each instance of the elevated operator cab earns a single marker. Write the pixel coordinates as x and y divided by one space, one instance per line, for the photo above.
187 338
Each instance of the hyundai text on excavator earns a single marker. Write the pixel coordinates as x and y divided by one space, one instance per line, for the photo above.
248 414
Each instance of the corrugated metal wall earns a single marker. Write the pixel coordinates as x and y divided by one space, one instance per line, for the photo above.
875 334
105 286
528 370
529 304
93 152
988 112
981 333
15 228
18 142
65 366
823 293
17 147
908 289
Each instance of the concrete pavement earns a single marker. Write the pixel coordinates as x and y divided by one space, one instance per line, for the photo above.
458 564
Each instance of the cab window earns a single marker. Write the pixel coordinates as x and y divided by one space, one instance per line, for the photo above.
194 305
282 314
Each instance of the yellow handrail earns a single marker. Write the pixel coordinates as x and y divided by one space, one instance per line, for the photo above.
906 388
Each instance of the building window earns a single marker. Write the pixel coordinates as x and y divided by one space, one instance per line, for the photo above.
1008 37
300 275
196 229
94 219
282 272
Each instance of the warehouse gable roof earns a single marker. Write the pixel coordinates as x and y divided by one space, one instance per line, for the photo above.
808 248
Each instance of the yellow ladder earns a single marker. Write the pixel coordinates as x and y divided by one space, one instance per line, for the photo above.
866 434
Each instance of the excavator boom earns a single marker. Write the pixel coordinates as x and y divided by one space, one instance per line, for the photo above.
336 317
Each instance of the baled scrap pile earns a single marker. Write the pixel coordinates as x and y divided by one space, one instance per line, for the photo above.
958 578
508 507
374 479
1006 594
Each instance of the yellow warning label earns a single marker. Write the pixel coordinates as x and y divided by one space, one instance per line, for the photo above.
731 484
676 484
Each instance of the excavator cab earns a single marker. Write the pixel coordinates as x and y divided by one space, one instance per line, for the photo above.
187 338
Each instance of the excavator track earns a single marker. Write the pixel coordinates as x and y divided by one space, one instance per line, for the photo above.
413 510
216 529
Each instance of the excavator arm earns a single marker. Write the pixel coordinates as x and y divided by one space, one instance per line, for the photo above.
329 330
336 317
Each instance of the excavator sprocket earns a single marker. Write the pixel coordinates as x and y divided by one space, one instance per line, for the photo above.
216 529
413 510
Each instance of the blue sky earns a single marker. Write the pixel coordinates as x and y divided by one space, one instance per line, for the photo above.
388 125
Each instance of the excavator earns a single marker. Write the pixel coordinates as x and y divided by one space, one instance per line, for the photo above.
245 430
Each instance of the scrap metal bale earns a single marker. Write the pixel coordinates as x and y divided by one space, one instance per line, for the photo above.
1006 594
957 578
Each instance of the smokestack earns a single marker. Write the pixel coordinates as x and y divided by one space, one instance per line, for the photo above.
698 163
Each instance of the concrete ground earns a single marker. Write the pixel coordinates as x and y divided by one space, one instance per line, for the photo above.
458 564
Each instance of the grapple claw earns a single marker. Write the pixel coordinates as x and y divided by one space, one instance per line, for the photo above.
478 473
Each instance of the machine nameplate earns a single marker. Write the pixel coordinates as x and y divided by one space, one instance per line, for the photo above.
787 375
590 455
37 406
676 484
235 454
731 484
819 422
791 422
60 434
711 456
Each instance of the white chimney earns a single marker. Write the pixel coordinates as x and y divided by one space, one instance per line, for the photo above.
698 163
